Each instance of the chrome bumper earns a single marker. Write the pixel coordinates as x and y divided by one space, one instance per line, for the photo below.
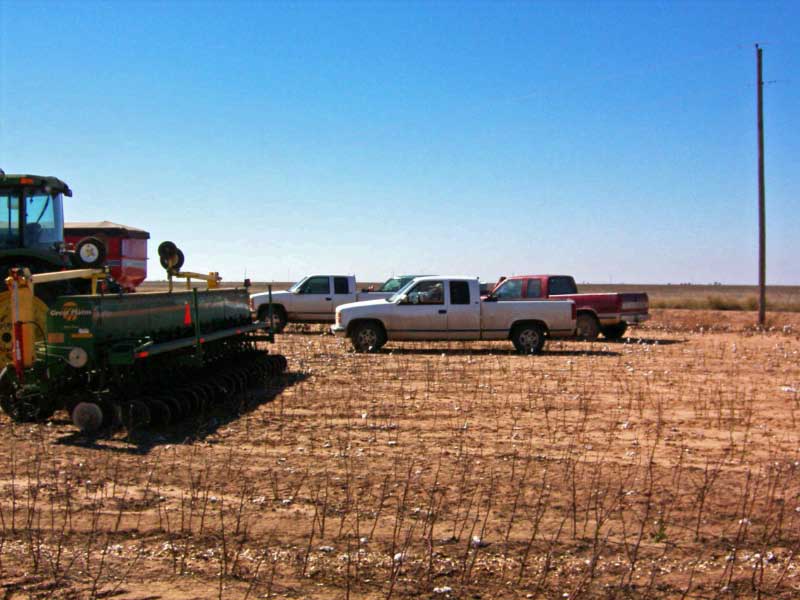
339 331
633 319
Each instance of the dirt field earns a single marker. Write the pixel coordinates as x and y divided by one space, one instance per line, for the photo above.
667 466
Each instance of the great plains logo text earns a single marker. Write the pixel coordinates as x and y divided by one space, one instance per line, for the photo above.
70 312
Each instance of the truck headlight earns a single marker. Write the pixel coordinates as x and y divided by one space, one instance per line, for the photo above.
338 318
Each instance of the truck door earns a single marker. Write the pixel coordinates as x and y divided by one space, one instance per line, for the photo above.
424 314
314 302
463 312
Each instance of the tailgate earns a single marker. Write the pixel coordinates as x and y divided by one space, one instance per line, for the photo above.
634 302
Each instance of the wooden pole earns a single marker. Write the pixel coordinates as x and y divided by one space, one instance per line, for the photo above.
762 235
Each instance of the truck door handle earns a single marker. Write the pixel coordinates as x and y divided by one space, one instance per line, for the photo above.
442 311
328 299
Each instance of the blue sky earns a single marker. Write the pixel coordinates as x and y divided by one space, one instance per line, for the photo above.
612 141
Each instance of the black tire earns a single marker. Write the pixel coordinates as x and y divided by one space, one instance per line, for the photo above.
168 252
528 338
279 318
615 332
135 415
88 417
90 253
160 413
30 409
587 327
22 408
368 337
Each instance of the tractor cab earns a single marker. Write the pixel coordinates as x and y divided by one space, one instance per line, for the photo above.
32 221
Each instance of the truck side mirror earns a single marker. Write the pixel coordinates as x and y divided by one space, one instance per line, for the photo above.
403 299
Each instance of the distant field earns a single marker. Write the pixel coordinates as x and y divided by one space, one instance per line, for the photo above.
780 298
783 298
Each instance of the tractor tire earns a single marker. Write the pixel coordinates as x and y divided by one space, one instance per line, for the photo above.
615 332
368 337
279 318
588 327
528 338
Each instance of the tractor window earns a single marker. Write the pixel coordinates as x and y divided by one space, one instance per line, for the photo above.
317 285
44 221
9 221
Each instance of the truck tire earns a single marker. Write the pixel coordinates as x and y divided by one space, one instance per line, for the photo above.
367 337
615 332
528 338
587 327
278 316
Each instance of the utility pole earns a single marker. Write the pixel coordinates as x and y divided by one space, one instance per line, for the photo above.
762 234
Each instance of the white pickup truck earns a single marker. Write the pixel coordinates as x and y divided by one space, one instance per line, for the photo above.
313 299
451 308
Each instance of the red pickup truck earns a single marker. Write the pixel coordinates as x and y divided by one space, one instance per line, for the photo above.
609 314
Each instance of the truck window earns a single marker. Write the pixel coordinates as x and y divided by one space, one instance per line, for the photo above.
427 292
340 285
510 289
459 292
317 285
534 288
562 285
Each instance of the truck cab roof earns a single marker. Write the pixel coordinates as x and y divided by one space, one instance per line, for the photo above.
548 275
448 277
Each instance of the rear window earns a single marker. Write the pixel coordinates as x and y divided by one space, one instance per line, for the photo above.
562 285
459 292
534 288
340 285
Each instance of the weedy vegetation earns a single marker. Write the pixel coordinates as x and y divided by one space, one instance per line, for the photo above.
664 466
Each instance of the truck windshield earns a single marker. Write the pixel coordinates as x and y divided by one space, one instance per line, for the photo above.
394 284
41 217
400 292
297 285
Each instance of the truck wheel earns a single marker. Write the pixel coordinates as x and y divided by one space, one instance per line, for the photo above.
615 332
587 327
528 339
367 337
278 317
